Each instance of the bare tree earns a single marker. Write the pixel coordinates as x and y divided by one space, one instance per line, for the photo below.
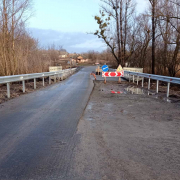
13 15
118 12
153 14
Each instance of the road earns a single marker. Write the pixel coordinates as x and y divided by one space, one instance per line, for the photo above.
37 130
47 135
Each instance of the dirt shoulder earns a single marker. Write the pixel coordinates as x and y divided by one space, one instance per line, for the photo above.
16 89
127 137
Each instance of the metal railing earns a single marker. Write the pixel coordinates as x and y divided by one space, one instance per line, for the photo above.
129 74
22 77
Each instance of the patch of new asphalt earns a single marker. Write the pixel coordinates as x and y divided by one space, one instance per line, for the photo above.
38 130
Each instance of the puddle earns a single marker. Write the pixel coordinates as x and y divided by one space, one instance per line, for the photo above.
169 100
151 93
89 119
134 90
137 91
124 112
90 105
109 106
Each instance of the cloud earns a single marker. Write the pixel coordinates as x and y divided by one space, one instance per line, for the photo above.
90 44
71 41
142 5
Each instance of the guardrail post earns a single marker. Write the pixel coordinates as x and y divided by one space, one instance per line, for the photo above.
129 77
157 86
55 78
49 79
24 89
168 87
142 81
133 78
8 90
137 80
149 83
43 81
34 83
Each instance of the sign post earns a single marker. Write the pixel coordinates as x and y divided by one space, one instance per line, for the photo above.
105 68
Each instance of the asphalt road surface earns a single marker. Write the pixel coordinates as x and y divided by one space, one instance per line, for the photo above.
37 130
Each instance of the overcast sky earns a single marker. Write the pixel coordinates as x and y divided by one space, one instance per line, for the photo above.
67 22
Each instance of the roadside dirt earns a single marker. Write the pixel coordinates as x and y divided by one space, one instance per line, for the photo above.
174 88
16 89
127 136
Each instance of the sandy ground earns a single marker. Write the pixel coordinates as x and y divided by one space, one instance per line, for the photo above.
127 136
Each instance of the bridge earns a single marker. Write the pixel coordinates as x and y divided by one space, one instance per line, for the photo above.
77 129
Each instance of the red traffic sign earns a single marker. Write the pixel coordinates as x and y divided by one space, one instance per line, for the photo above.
113 74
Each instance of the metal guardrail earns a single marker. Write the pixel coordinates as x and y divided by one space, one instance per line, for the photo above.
132 69
22 77
129 74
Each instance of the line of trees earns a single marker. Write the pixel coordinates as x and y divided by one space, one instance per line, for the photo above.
150 40
19 52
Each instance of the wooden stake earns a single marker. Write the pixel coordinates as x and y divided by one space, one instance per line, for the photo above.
119 80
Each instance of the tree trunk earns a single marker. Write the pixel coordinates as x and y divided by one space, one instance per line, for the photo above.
153 36
118 36
121 32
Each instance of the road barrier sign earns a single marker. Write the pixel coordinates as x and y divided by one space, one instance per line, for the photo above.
113 74
119 73
105 68
119 69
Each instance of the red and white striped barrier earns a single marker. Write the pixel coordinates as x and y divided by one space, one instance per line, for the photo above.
118 92
113 74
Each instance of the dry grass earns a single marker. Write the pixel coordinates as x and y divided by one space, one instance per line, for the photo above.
148 70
